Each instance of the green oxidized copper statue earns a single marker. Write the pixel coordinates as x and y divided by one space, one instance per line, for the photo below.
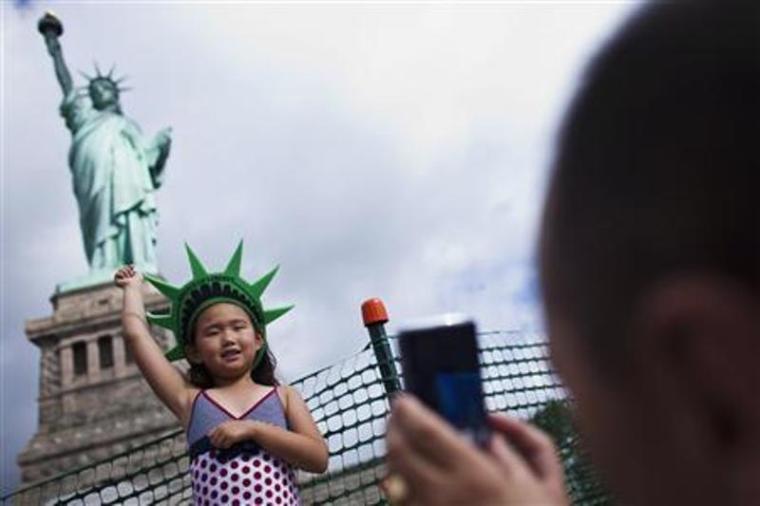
115 168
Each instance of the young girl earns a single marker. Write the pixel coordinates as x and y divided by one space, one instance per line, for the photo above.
245 432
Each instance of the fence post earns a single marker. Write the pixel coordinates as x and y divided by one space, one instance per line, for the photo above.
375 317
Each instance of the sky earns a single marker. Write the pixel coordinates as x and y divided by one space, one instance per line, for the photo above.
392 150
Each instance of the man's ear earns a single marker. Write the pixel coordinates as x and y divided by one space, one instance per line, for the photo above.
696 348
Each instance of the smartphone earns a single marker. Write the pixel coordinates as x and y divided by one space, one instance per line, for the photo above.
439 358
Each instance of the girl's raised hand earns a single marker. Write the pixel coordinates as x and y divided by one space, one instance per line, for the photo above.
127 276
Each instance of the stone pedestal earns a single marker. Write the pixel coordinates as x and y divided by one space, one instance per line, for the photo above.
93 400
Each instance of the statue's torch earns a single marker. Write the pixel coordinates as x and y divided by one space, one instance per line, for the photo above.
50 26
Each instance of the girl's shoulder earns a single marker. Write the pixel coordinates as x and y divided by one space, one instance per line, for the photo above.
193 393
283 392
191 399
288 395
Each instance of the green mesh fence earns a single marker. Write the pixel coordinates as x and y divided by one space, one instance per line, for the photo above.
350 404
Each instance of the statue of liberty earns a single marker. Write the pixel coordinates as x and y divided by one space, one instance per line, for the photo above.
115 168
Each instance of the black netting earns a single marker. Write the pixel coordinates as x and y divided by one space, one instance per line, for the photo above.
349 402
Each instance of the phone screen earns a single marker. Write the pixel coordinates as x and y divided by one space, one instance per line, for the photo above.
439 358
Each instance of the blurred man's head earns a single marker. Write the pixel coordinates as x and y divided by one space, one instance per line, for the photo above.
650 253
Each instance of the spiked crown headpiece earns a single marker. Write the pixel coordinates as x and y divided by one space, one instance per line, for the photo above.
115 82
206 289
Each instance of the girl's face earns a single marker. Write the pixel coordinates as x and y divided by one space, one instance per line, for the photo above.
225 341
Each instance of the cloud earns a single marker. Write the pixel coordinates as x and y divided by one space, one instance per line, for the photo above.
380 150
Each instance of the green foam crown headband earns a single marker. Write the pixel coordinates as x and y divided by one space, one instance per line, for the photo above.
205 289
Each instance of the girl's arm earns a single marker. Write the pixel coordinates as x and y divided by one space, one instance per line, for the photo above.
166 381
308 448
302 446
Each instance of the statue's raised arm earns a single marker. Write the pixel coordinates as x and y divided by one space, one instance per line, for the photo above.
51 29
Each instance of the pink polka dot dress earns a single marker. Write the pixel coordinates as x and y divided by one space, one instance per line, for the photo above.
244 473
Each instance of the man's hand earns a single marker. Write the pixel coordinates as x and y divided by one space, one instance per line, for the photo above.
440 467
228 433
127 277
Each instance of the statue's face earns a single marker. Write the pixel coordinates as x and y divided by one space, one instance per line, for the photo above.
103 93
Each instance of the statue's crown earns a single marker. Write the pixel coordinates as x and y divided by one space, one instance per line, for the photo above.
115 82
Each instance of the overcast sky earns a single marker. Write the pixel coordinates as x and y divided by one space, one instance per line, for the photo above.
389 150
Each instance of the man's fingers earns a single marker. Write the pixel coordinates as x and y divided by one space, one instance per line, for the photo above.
427 433
533 444
509 459
417 472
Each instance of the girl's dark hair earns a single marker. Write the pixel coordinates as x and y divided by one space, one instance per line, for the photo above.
263 374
